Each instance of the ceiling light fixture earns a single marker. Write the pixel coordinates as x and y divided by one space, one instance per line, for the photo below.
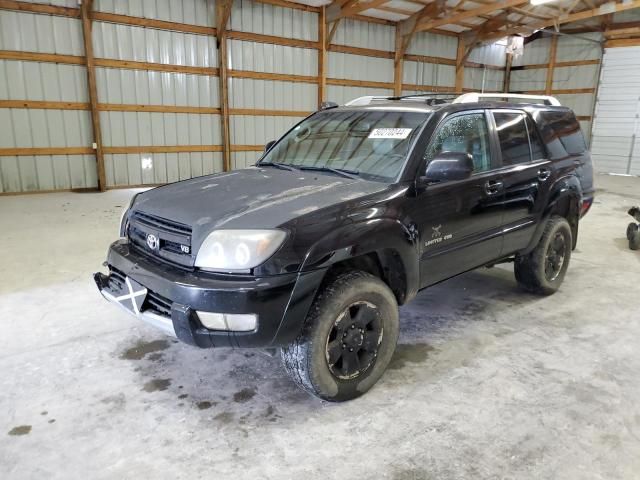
541 2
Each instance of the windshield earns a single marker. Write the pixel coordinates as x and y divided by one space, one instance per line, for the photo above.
370 144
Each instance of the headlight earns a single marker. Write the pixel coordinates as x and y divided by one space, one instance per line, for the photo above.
225 250
123 215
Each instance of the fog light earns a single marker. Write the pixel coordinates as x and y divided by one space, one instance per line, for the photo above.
242 322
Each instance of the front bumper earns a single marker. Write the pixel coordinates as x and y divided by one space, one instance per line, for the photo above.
281 301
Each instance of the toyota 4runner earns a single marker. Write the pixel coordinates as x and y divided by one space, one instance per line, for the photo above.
348 215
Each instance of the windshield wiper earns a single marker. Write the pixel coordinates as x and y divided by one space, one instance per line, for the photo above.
281 166
353 174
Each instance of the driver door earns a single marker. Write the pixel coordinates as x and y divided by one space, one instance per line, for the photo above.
460 221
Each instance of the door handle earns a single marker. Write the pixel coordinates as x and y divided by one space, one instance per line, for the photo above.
544 174
493 187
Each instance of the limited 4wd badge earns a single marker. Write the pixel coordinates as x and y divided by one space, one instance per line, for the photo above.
437 236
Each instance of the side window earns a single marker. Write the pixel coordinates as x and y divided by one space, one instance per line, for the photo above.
514 141
466 134
537 150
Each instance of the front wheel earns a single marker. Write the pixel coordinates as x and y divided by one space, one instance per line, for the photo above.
633 235
542 271
348 338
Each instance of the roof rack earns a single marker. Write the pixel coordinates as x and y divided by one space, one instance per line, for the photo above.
361 101
477 97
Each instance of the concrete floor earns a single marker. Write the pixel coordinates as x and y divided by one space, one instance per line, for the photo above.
488 382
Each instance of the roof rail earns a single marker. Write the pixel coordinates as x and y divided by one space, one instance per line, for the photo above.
361 101
476 97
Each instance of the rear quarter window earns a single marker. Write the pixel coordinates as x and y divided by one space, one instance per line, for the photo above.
561 133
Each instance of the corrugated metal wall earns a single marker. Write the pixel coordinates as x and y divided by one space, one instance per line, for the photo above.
40 128
565 78
145 146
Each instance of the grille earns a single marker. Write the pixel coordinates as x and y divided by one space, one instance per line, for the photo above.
157 303
174 239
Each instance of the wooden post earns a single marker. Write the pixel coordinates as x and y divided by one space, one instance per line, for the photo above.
460 58
85 16
507 73
553 49
322 55
223 11
398 63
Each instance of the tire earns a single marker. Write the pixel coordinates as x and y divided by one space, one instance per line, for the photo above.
634 241
632 230
542 271
322 360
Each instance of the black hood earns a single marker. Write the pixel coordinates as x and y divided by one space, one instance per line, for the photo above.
250 198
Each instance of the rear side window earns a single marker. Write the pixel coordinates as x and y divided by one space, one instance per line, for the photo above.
513 136
561 133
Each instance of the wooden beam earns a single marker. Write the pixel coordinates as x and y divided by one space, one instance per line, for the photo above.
398 63
322 55
367 52
260 38
507 73
464 14
605 9
258 112
123 107
460 59
428 88
625 42
340 9
85 15
162 149
247 148
553 49
20 152
428 59
574 63
283 77
152 23
223 11
153 66
40 8
359 83
42 57
293 5
44 105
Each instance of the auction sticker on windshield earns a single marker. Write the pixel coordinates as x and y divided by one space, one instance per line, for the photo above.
395 133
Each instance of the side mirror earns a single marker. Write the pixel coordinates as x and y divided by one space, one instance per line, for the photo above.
268 146
448 166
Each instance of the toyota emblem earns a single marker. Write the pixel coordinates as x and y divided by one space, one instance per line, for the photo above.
153 242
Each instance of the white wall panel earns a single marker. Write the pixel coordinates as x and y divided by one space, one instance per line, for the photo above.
58 3
47 172
139 169
244 159
146 128
585 76
355 33
37 128
192 12
272 95
430 44
42 81
491 54
483 79
358 67
32 32
418 73
341 94
265 57
523 80
124 42
535 53
156 88
248 16
574 47
580 103
250 130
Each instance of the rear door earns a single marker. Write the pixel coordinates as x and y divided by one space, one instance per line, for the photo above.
527 174
460 221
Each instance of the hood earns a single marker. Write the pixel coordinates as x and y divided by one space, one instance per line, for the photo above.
250 198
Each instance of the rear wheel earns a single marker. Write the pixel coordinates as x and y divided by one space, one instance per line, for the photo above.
542 271
633 235
348 338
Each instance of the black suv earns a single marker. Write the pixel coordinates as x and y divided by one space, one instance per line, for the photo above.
350 214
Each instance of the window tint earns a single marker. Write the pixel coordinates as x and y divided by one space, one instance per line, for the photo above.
561 133
537 150
466 134
514 141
